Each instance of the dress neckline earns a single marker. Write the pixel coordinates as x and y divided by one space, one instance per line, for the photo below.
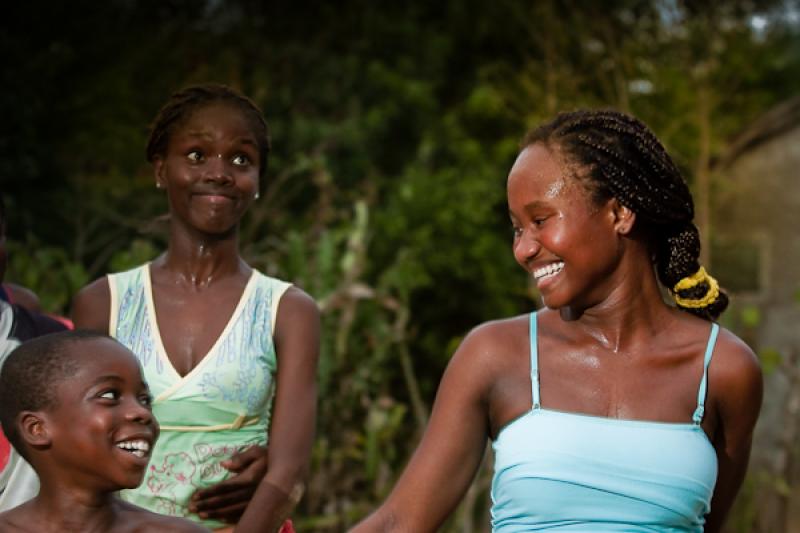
162 351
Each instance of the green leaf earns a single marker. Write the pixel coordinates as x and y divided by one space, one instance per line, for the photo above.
751 316
770 358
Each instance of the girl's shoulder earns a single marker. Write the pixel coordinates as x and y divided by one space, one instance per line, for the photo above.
498 335
735 367
492 349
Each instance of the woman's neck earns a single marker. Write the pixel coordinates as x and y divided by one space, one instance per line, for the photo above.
199 260
632 311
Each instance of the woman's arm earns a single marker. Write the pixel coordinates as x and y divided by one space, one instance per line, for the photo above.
735 376
445 463
293 421
91 306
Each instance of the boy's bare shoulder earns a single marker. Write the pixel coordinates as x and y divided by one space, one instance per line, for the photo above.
130 519
6 524
139 520
15 520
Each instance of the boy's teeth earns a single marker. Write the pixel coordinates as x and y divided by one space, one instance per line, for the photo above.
139 448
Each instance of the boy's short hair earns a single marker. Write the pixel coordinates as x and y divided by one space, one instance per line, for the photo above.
30 375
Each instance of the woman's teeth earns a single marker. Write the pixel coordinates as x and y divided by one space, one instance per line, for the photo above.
549 270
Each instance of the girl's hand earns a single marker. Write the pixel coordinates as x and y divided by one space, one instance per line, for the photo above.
228 499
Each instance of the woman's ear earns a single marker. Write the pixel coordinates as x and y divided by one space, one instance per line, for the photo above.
623 217
33 428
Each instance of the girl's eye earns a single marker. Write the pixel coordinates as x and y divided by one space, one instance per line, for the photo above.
109 395
146 400
538 222
195 156
516 231
241 160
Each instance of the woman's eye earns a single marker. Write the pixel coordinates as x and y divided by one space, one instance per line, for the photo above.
194 156
516 231
241 160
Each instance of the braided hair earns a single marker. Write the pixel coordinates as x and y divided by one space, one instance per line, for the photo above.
183 103
623 159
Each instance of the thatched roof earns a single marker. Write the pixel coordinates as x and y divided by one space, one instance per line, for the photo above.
781 118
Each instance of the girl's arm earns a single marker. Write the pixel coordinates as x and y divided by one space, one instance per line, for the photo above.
291 432
445 463
735 376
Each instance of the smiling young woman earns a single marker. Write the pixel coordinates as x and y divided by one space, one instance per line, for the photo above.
610 409
217 339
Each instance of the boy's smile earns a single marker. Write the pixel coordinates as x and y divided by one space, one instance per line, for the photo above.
102 429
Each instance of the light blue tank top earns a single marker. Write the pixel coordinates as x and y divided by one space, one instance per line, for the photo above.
576 472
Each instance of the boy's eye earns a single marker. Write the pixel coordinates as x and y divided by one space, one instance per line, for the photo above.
195 156
109 395
241 160
146 399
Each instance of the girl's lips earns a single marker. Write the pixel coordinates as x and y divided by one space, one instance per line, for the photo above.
214 198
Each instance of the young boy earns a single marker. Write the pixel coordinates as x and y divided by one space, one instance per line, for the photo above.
75 406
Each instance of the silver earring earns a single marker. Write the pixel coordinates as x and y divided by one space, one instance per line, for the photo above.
158 185
257 196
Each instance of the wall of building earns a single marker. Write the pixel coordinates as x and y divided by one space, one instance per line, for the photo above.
757 211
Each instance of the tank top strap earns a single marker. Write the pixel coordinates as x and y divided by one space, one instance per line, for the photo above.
535 403
697 418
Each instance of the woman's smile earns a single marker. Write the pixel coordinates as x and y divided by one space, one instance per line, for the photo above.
214 198
547 274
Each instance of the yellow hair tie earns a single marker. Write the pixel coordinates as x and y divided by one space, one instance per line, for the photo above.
692 281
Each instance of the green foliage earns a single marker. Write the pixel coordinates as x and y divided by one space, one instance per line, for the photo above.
751 316
47 268
140 251
771 359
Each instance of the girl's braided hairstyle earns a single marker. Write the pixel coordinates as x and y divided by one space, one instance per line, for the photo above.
183 103
624 159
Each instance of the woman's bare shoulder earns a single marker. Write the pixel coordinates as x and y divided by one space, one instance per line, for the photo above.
496 334
492 346
735 366
296 301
